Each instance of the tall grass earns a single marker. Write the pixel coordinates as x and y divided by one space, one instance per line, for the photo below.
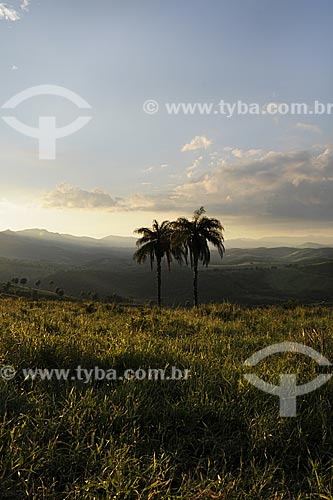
212 436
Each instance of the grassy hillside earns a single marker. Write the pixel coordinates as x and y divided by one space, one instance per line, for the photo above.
248 276
249 285
32 270
211 436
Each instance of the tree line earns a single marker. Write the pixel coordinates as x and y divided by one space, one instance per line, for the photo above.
184 240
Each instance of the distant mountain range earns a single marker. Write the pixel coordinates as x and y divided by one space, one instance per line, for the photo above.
252 271
280 241
28 237
44 235
42 245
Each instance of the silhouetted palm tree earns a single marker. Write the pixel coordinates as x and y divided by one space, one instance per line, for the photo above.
156 243
195 236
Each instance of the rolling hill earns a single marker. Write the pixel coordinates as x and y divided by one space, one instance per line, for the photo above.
80 265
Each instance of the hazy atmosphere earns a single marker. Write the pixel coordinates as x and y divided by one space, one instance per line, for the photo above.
264 175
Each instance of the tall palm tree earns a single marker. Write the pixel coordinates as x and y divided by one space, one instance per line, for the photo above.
194 236
156 243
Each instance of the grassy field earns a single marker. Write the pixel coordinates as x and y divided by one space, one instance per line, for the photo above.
213 436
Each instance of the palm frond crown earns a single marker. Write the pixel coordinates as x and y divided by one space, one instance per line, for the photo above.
195 236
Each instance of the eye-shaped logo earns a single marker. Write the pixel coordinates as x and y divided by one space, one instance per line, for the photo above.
288 390
47 133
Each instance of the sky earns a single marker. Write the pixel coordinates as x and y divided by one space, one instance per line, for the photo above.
262 174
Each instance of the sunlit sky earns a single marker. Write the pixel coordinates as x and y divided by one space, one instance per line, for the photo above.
261 175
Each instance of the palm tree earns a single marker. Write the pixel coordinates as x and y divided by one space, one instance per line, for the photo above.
156 243
195 236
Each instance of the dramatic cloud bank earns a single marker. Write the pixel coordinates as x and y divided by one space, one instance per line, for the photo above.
296 185
241 183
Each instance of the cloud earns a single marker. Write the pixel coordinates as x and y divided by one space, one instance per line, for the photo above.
10 13
150 169
25 5
238 153
310 127
199 142
296 184
66 196
270 185
254 152
191 170
243 153
139 201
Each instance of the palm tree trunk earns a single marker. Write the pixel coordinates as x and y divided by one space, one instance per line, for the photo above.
195 282
159 281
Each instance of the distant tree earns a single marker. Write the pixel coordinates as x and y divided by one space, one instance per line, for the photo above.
194 236
156 243
15 280
37 284
23 281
